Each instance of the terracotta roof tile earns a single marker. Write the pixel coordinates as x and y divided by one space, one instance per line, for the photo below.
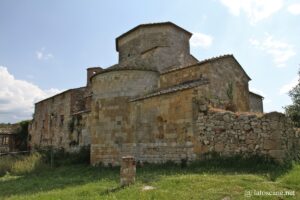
179 87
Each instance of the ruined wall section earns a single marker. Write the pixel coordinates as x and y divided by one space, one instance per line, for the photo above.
8 137
230 133
49 124
78 100
54 123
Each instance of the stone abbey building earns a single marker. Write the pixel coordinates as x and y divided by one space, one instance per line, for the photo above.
160 103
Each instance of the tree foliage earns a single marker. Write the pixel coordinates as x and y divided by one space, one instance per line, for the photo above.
293 111
22 135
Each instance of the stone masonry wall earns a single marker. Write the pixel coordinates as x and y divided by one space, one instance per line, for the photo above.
7 137
225 77
226 74
255 103
55 125
229 133
160 47
175 77
163 127
152 130
49 124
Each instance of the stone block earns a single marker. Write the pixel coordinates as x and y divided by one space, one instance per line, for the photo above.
127 171
278 155
226 118
247 127
271 144
219 147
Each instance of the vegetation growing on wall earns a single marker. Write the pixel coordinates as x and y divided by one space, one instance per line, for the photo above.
229 92
22 135
75 128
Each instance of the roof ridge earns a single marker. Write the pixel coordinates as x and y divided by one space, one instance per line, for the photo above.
199 62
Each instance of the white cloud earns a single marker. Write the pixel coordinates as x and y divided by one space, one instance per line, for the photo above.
287 87
201 40
279 50
41 55
294 9
256 10
17 97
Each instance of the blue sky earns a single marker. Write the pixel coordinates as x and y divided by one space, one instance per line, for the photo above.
46 46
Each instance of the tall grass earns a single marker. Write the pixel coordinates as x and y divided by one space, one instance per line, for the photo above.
20 164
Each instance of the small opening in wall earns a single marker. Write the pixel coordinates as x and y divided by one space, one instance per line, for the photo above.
5 140
128 55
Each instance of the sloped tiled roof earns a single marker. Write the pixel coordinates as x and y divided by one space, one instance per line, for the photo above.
206 61
179 87
7 129
255 94
66 91
118 67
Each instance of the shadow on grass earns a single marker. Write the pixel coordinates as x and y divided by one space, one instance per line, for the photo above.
74 175
218 165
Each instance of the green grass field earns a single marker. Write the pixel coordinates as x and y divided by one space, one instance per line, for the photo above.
198 181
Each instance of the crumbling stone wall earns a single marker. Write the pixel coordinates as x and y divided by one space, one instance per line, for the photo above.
59 122
229 133
8 137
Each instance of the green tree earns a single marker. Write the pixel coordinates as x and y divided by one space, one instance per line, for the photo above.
293 111
22 135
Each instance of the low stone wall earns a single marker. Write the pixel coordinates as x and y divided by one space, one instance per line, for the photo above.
229 133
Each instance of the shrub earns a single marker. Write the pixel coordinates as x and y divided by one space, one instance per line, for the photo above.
58 157
27 164
6 164
22 135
